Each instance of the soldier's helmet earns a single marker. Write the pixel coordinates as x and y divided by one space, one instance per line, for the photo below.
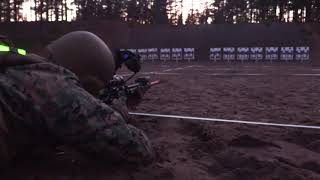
85 54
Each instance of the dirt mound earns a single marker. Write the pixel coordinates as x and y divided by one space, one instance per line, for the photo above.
192 150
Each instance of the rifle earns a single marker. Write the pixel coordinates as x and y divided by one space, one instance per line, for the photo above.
118 84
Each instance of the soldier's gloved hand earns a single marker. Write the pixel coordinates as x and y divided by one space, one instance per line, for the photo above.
135 97
119 104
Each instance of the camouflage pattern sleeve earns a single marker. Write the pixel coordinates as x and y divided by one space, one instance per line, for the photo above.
56 102
97 129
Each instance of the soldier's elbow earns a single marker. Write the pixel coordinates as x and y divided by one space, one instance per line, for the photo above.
142 151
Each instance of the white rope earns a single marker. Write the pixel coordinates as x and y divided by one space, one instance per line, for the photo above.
224 74
159 73
236 74
305 74
224 120
179 68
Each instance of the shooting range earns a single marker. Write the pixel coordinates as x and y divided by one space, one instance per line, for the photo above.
239 92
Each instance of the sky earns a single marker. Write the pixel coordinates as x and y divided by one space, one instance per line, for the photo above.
187 5
195 4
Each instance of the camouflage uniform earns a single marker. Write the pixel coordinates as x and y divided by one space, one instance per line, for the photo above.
45 100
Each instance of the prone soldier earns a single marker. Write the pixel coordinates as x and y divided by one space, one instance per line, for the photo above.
53 99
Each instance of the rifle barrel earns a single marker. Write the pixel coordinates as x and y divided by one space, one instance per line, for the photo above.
153 83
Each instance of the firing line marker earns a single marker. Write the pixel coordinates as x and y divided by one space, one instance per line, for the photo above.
160 73
236 74
177 69
225 120
305 74
227 74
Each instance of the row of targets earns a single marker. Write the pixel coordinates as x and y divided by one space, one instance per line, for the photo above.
165 54
260 53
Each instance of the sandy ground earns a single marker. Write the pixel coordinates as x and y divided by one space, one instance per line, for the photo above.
194 150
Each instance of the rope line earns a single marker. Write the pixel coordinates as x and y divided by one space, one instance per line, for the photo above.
224 120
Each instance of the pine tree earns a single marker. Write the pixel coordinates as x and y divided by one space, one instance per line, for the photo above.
173 12
218 11
160 12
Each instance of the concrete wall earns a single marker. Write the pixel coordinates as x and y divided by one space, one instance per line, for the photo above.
120 35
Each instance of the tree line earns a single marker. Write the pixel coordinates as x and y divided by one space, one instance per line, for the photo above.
164 11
